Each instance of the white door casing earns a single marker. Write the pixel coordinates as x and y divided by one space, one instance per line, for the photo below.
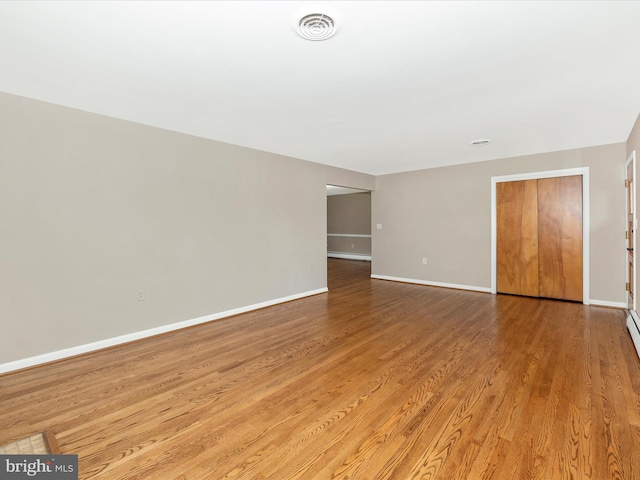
584 171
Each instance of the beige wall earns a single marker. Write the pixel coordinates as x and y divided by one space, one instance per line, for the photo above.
95 210
349 214
633 143
444 214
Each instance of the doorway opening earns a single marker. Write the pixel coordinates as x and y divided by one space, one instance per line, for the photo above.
632 225
348 223
633 321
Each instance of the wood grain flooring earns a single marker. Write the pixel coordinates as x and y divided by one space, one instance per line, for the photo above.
374 380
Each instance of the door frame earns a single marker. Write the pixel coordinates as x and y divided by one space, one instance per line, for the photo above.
584 172
632 160
347 256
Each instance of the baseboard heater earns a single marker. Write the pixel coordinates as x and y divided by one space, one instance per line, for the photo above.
633 324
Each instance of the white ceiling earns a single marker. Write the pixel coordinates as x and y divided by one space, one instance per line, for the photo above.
402 86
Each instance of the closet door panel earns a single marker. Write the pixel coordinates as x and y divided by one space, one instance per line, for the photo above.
517 237
560 237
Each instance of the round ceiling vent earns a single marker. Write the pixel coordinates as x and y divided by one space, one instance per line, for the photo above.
317 26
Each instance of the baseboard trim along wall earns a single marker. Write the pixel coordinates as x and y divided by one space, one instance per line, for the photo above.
130 337
595 303
349 256
606 303
633 324
433 284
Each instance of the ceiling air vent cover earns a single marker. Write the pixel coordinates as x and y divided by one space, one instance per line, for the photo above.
316 26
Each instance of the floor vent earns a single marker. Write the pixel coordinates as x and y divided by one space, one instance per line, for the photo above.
39 444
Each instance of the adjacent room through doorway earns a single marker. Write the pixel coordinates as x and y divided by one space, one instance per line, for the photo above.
348 223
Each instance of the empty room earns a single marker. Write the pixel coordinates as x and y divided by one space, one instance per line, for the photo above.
319 240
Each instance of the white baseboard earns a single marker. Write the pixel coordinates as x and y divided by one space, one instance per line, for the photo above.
633 324
433 284
130 337
606 303
349 256
600 303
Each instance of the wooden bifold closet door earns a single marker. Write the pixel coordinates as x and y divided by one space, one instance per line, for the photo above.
539 237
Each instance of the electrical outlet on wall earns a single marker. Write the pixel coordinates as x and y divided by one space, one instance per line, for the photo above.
141 296
424 260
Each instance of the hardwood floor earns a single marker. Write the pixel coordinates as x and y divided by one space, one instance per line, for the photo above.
374 380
